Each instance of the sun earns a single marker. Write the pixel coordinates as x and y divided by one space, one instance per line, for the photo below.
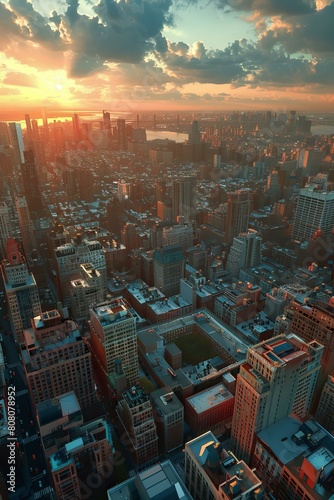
59 86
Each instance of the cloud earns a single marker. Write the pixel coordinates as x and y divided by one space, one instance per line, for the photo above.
313 34
8 26
122 31
117 31
270 7
197 64
8 91
39 29
19 79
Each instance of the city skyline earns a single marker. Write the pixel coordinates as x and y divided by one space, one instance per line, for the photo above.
147 54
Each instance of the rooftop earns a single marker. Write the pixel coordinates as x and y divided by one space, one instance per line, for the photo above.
159 482
166 401
209 398
222 468
111 312
53 409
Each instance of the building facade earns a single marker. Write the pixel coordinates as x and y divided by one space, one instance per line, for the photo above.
278 378
134 411
113 337
20 288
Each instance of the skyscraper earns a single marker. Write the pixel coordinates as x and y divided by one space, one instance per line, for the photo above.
325 410
25 225
183 198
114 216
314 212
237 217
168 269
244 252
31 184
121 135
315 321
5 228
28 126
68 258
113 337
76 128
57 359
135 413
194 135
277 379
45 125
16 138
21 289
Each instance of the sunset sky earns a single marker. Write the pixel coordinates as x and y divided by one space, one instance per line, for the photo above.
167 54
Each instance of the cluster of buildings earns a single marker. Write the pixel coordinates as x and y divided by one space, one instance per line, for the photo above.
173 300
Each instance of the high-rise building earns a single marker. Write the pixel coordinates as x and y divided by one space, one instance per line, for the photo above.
134 411
89 451
244 252
85 184
295 460
183 198
56 418
237 217
212 473
5 228
76 128
291 122
168 269
194 135
278 378
31 184
57 359
45 125
85 292
114 337
16 139
25 225
40 159
181 234
121 135
4 134
114 216
325 410
169 416
28 127
68 258
21 289
315 321
129 236
35 129
314 212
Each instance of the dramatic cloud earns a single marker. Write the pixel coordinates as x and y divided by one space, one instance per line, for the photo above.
197 64
313 34
120 32
270 7
39 29
19 80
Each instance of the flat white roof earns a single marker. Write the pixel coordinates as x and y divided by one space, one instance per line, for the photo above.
209 398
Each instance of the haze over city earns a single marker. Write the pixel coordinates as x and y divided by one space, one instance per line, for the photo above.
165 54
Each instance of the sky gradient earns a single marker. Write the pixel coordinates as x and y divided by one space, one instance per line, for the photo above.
127 55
